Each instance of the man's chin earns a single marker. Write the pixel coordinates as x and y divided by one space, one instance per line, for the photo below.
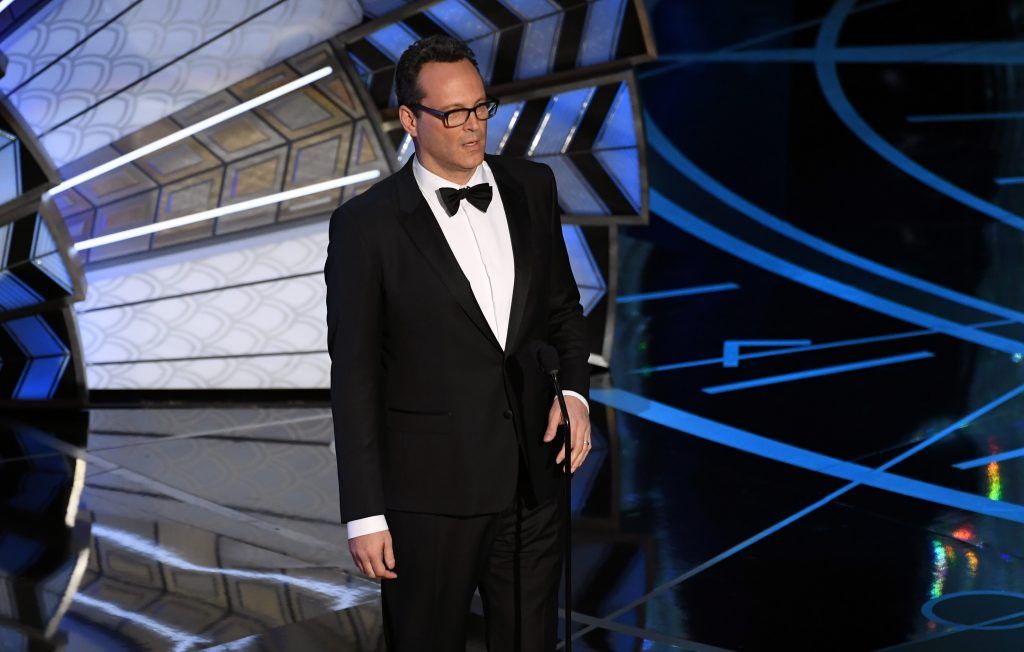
471 161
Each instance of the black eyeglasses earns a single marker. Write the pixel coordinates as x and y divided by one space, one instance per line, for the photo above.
458 117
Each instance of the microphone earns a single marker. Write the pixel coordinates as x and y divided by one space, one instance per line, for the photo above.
547 356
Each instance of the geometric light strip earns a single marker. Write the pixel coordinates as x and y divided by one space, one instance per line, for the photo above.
4 4
227 210
188 131
181 640
342 596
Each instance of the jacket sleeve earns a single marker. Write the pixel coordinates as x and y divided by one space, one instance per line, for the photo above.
352 273
567 327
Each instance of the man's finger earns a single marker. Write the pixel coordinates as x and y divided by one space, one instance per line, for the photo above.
380 571
577 448
554 418
561 453
581 450
578 459
389 554
367 567
573 452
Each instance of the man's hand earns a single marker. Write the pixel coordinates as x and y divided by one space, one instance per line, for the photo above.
579 421
373 554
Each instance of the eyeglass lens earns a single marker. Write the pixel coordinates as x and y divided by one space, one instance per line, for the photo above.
460 116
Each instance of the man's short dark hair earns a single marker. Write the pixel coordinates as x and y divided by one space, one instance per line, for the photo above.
438 47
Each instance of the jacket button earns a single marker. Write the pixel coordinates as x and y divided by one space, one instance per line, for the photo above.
508 414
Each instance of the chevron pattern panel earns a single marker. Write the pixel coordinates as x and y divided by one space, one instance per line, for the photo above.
512 40
31 268
35 344
587 129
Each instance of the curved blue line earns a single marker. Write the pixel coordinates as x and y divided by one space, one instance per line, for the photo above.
985 461
828 79
817 372
690 223
661 144
879 478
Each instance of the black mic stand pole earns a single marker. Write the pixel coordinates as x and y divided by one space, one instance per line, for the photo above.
567 508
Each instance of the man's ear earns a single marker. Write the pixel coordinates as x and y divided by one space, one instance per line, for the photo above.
408 120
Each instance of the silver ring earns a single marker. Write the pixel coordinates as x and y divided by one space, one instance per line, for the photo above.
587 442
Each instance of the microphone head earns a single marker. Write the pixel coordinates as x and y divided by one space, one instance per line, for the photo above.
547 356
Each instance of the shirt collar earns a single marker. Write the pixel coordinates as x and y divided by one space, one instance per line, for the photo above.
430 182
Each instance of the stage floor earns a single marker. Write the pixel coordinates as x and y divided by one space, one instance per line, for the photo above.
763 523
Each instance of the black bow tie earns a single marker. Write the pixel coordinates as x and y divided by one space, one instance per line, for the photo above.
478 195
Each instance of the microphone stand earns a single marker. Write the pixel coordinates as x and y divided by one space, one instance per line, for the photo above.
567 511
548 358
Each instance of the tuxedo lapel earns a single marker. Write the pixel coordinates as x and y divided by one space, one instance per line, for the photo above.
421 225
517 211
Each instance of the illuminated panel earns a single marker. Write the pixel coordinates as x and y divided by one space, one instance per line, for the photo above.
393 39
46 357
528 9
294 141
31 269
588 277
14 293
377 8
512 40
46 257
66 26
575 195
501 124
601 31
10 167
560 121
623 166
176 57
536 56
245 314
460 19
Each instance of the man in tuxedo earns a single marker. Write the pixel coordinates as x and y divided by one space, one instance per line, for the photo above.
442 280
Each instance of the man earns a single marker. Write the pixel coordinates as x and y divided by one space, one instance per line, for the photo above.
445 426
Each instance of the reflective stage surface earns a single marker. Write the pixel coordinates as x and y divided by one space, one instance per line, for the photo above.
811 436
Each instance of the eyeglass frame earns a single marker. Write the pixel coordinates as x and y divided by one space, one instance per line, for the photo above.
443 115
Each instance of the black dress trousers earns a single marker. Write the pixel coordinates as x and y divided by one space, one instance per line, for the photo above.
514 556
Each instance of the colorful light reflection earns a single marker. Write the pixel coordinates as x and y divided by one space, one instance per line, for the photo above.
995 482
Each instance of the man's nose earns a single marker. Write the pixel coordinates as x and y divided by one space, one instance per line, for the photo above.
473 123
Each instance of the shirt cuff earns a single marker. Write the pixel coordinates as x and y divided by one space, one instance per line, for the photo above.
368 525
569 392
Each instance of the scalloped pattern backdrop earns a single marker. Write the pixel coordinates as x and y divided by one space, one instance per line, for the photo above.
135 63
248 316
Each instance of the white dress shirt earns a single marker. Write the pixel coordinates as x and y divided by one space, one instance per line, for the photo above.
483 247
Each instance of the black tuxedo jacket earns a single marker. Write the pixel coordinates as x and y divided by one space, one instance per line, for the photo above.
430 413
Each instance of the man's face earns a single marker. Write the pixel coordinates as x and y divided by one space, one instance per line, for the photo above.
455 150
